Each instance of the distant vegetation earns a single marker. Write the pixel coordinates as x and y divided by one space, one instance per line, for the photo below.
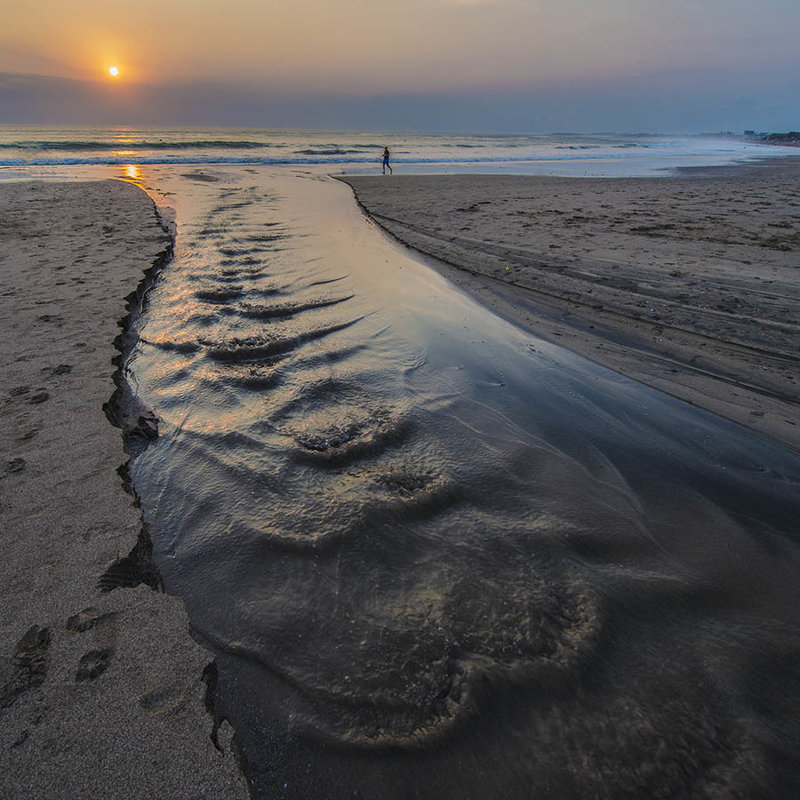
793 137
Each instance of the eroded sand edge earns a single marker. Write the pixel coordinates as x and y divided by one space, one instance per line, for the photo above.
101 685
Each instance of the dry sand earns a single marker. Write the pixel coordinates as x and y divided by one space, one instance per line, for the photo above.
101 692
690 284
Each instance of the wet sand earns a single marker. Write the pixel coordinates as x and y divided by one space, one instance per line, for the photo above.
688 283
102 689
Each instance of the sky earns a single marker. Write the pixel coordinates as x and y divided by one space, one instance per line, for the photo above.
494 66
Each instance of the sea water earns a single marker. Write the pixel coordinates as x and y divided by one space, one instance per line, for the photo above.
434 556
357 152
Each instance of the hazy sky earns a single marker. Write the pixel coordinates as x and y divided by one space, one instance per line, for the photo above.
516 65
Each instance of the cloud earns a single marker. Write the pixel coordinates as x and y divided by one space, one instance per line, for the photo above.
685 101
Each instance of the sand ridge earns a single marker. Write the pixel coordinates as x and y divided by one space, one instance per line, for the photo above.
101 692
688 283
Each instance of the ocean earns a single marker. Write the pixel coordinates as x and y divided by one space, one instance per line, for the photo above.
434 556
23 149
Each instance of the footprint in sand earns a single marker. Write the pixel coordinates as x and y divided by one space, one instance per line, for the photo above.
61 369
56 319
95 660
28 665
15 465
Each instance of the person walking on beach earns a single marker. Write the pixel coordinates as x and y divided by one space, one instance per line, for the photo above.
386 160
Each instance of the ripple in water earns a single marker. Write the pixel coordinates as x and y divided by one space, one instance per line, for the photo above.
434 562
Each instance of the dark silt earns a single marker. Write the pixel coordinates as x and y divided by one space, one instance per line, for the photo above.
437 558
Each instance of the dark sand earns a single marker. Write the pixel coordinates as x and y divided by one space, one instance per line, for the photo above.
690 284
101 692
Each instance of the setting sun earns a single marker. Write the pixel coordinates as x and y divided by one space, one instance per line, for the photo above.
113 71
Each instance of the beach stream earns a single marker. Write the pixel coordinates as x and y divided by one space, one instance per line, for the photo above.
436 557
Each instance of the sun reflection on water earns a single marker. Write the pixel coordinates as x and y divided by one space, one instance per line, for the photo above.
131 172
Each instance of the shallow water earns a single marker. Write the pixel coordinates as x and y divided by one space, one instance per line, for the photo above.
437 557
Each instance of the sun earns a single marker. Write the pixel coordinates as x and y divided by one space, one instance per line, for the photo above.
113 71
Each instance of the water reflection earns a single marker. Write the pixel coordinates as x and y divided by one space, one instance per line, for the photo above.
131 172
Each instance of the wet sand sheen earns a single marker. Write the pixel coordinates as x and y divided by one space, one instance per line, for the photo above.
688 283
438 557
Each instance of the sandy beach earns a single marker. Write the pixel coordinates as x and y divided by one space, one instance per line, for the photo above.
103 691
426 553
686 283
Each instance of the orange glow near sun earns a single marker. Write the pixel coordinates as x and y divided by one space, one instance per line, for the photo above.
113 72
131 172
